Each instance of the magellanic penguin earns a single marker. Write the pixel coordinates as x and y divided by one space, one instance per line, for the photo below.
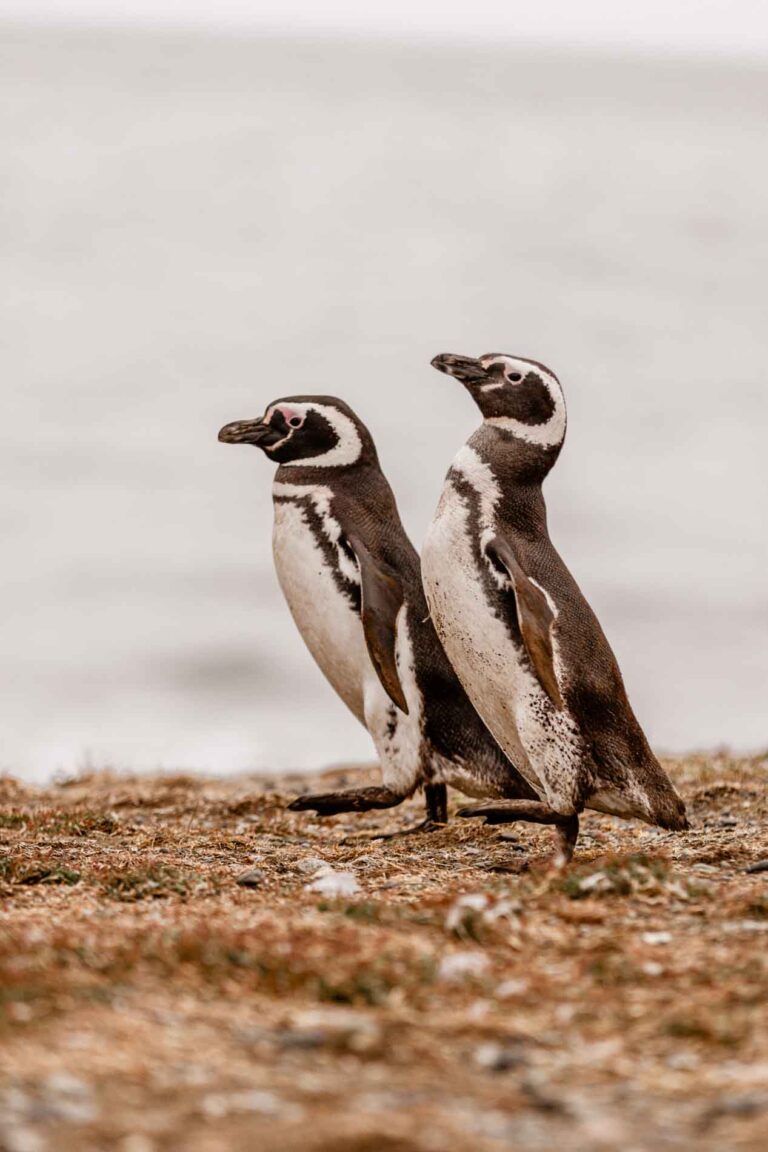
353 584
519 633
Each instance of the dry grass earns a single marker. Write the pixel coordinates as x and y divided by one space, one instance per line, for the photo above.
462 997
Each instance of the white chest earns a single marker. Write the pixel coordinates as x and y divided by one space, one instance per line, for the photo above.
306 548
496 675
324 615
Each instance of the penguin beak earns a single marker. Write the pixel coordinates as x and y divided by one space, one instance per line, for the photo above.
463 368
250 432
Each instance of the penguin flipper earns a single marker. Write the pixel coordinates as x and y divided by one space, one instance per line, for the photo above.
381 600
534 616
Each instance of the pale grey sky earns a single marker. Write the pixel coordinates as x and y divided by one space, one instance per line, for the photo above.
706 26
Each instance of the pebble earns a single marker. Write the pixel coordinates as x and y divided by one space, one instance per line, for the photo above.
683 1061
332 883
340 1028
749 1104
656 938
596 881
509 988
68 1098
65 1084
498 1057
22 1140
759 866
464 910
217 1105
311 864
253 878
20 1011
475 908
460 965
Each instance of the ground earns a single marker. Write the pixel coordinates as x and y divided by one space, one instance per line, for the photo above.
436 993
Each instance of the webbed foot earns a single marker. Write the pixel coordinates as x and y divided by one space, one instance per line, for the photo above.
534 812
352 800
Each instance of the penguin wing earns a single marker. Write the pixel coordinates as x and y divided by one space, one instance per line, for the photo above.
534 616
381 600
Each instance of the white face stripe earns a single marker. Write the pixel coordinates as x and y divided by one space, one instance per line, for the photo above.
544 435
347 449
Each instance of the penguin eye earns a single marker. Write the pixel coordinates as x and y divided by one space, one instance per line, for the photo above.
295 421
514 376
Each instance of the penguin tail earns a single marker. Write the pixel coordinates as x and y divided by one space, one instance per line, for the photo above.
666 805
673 816
645 789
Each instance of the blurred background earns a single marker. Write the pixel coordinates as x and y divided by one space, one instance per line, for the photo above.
210 204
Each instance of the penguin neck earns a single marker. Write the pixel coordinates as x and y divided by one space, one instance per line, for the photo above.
517 470
515 461
362 485
317 476
362 501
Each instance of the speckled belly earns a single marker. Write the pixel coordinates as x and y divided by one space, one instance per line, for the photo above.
541 742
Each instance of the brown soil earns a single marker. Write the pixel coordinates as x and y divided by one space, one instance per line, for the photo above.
148 1002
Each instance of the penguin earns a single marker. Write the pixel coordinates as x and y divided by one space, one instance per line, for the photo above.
517 629
352 581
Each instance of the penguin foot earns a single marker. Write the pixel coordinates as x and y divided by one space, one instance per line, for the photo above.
567 834
436 797
353 800
508 811
535 812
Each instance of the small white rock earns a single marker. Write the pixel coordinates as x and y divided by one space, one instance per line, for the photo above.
596 882
23 1140
65 1084
219 1104
463 910
332 883
311 864
478 1009
509 988
656 938
459 965
339 1027
683 1061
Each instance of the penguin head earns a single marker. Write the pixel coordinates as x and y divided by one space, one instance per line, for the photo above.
517 395
307 431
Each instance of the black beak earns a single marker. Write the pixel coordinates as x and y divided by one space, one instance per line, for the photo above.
250 432
464 368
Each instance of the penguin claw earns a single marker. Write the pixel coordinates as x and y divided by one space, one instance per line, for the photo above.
468 813
312 804
494 814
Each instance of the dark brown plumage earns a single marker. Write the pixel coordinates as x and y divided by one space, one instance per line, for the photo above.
519 632
330 482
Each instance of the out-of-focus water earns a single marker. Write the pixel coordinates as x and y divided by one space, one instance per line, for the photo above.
192 227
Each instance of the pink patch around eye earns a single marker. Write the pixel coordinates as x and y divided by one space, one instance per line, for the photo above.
288 414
